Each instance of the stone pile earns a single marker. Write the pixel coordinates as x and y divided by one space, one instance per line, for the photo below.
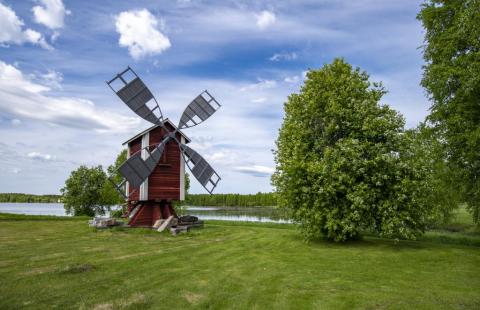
102 222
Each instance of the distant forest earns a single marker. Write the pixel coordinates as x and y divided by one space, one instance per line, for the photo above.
17 197
250 200
215 200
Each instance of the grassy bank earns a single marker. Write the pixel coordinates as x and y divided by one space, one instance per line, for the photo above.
65 264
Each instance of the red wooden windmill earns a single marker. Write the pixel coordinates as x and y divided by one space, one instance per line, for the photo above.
154 172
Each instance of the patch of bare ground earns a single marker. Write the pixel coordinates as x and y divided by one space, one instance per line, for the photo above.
193 298
135 300
40 270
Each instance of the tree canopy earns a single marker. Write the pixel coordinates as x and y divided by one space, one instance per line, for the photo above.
344 163
452 80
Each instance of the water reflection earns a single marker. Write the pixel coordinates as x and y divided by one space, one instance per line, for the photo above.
242 214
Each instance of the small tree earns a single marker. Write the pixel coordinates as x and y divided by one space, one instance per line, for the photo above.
344 163
84 192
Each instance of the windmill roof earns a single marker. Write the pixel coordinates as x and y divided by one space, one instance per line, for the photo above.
187 139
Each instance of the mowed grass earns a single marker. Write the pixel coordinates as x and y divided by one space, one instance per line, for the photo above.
64 264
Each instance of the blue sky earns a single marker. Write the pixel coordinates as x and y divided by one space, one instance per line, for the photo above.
57 113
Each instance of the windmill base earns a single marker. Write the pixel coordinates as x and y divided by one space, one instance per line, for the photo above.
146 213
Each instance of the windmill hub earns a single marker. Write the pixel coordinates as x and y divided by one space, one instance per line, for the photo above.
153 174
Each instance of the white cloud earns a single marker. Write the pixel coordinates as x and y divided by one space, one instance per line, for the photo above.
261 84
16 122
10 26
52 79
40 156
222 157
36 37
292 79
54 36
283 56
16 170
139 32
265 19
50 13
259 100
256 170
11 30
24 98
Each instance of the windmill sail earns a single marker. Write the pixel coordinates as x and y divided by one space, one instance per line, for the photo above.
201 108
200 168
136 169
136 95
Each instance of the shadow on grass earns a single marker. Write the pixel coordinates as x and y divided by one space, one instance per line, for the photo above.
369 241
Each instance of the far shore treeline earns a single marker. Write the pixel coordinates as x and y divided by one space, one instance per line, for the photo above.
216 200
18 197
238 200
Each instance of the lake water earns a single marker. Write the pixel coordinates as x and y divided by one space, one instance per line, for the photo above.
253 214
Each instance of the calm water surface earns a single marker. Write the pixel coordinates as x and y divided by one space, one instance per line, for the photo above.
253 214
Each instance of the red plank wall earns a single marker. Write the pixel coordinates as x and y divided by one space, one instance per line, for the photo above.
164 182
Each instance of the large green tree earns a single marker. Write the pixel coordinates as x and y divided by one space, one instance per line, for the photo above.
452 80
344 162
84 192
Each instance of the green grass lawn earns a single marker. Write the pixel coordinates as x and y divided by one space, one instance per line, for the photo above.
46 263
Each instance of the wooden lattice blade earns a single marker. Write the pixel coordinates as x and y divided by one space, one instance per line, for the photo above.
201 108
136 95
200 168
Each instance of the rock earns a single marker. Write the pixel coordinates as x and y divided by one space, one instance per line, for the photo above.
179 229
100 222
